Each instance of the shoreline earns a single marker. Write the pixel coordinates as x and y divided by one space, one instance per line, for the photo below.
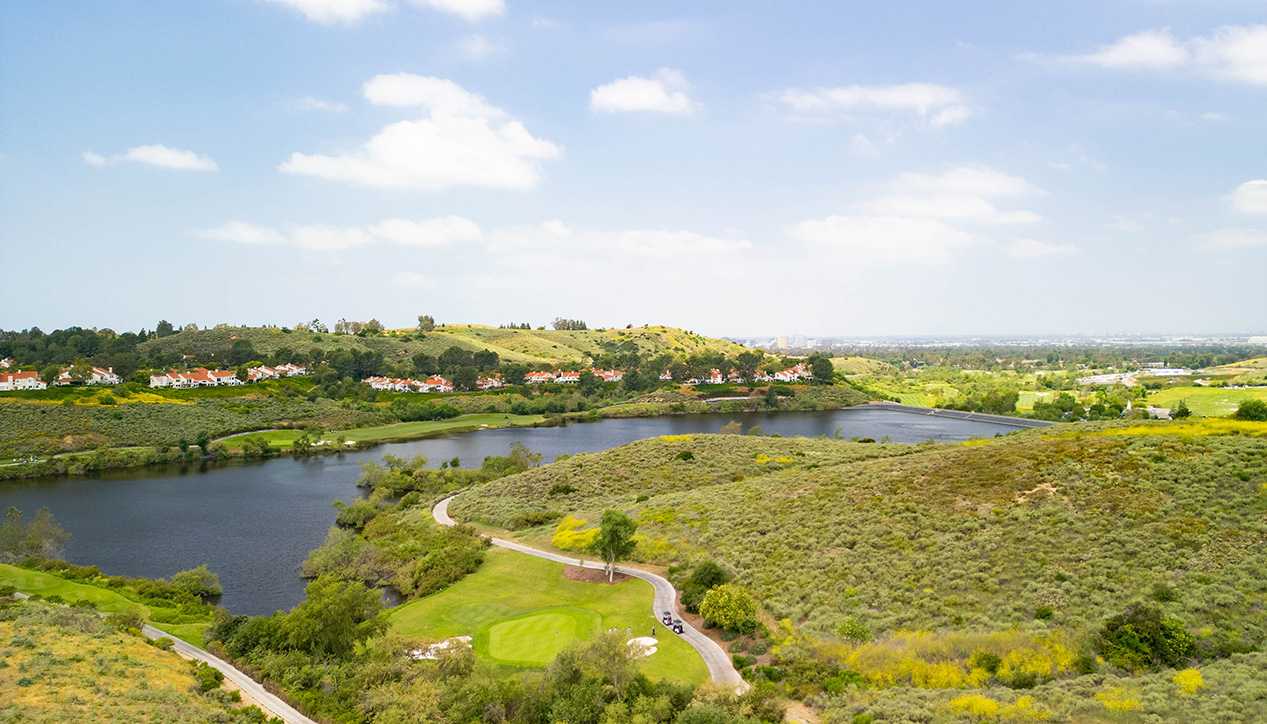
133 457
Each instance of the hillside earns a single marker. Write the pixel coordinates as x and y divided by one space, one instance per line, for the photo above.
66 665
1020 547
512 345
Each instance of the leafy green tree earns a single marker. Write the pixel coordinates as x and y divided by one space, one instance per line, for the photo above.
334 617
197 582
425 364
1140 638
1254 410
1181 411
615 540
42 536
50 374
730 607
588 383
240 352
822 369
426 323
465 378
81 371
164 329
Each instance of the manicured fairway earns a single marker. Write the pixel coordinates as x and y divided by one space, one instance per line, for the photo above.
36 583
285 439
425 427
1209 401
521 611
1027 399
535 639
43 584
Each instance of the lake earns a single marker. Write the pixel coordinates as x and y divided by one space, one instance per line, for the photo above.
254 523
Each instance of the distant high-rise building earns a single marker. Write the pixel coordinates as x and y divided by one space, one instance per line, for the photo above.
781 342
798 340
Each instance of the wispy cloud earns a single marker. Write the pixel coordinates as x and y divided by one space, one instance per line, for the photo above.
155 155
309 103
1032 249
939 105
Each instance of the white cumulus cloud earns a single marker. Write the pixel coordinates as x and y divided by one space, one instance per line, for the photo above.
939 105
331 12
1233 52
155 155
1251 197
462 140
665 92
1032 248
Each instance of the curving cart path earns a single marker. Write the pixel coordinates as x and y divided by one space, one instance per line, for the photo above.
718 661
275 705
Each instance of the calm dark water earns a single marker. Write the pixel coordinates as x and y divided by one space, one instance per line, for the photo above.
254 523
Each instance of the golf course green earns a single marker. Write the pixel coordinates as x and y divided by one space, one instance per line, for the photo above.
521 611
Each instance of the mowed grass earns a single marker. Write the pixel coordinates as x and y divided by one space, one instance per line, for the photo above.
521 611
1027 399
43 584
285 439
1208 401
430 427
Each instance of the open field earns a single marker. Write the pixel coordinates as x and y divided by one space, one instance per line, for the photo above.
1208 401
521 611
285 439
106 600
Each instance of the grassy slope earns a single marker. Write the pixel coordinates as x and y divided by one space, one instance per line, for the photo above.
510 587
107 601
963 543
513 345
974 536
74 669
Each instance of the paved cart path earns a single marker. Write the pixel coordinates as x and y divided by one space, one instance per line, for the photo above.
718 661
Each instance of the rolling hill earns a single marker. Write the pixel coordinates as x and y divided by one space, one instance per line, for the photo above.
513 345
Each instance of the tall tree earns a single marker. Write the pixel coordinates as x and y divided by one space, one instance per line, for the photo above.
334 616
615 540
164 329
426 323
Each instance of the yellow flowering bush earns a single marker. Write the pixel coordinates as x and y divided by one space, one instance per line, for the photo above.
1189 680
569 537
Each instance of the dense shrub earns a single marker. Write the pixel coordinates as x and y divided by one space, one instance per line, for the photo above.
1141 638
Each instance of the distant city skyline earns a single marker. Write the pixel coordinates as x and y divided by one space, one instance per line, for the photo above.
864 169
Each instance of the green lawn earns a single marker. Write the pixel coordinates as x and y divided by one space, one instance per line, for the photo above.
285 439
427 427
1027 399
521 611
1208 401
44 584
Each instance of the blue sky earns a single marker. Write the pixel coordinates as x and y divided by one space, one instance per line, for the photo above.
730 167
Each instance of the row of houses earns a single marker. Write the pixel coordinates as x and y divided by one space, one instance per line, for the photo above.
200 377
30 380
715 376
434 383
256 374
99 376
551 376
